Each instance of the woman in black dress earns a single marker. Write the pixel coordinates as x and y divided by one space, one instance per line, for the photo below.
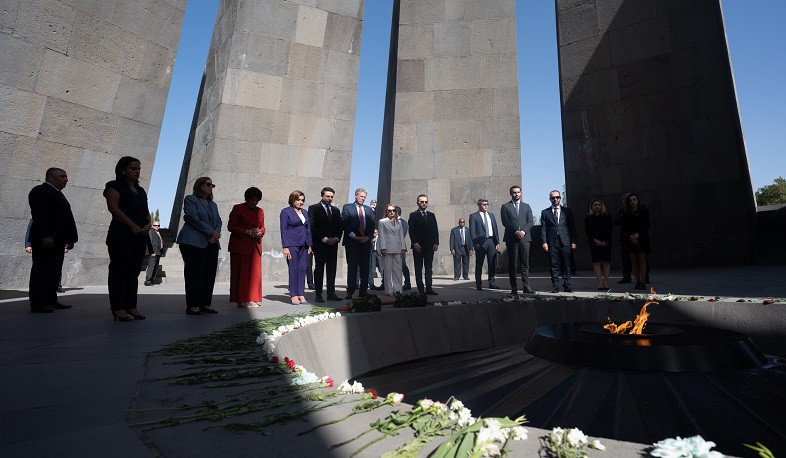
635 224
598 226
127 237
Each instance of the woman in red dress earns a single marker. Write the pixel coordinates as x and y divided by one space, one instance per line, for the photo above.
246 226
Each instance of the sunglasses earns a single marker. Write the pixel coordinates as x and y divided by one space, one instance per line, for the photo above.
156 225
210 184
555 197
422 201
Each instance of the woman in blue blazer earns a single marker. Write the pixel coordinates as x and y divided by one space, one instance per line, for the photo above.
296 241
198 241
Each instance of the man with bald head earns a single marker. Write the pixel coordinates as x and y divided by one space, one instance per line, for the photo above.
53 228
461 249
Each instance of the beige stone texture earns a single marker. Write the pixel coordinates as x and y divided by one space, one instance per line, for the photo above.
252 89
139 101
19 62
21 112
452 38
47 23
305 62
311 25
339 68
342 33
77 82
416 41
446 73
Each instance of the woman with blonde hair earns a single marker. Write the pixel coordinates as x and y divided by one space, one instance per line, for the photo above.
391 245
296 242
598 226
198 242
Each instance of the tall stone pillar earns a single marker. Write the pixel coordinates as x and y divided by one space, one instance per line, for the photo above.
277 109
649 105
456 129
81 85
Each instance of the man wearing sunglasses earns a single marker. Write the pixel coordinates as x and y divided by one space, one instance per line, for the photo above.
424 235
558 235
156 243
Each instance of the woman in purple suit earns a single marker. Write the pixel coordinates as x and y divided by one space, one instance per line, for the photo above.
296 240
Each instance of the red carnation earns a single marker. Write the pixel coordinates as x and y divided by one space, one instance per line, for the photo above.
291 364
329 382
286 359
373 393
274 359
767 302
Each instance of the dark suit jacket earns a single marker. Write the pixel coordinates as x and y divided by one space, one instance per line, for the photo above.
322 227
423 231
294 233
455 240
516 222
477 229
552 233
52 216
351 222
155 242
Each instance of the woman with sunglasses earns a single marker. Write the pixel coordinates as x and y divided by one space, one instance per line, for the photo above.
391 245
198 241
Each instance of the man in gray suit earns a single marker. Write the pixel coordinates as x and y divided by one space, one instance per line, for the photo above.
157 244
517 218
461 249
485 238
558 235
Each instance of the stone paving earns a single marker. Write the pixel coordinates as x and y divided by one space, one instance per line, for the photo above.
70 376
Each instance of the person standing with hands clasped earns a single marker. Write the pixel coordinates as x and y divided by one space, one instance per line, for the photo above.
246 228
598 226
326 233
392 246
558 235
358 222
461 249
424 235
296 242
517 220
485 238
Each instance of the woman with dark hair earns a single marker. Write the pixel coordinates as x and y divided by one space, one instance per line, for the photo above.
296 241
127 237
246 229
635 224
599 226
198 241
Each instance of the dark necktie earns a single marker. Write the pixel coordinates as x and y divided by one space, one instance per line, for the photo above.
362 221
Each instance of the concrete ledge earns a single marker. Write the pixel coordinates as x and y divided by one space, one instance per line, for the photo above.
359 343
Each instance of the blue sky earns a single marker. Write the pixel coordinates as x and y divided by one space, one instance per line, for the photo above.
754 31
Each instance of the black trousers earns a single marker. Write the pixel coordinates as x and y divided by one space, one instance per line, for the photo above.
325 259
199 271
559 260
518 261
357 260
45 273
152 268
461 262
125 265
423 259
488 252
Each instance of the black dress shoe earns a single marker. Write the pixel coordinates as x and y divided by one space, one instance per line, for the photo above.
568 289
208 310
493 286
526 290
555 290
194 312
431 292
624 280
59 306
333 297
148 283
466 278
406 288
319 298
310 286
41 309
348 296
479 288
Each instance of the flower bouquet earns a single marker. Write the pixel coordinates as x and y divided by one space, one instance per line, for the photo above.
414 299
367 303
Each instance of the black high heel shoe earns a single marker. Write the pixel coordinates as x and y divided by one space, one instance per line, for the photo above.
136 316
121 318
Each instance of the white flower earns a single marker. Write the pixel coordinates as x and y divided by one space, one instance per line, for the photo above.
345 387
441 407
597 445
555 437
465 417
298 368
576 438
304 378
695 447
425 403
357 388
455 404
490 450
338 313
396 398
518 433
438 304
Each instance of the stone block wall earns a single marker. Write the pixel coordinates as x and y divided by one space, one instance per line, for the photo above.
277 110
649 105
456 128
82 83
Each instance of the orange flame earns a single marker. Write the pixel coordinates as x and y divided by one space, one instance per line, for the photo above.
631 327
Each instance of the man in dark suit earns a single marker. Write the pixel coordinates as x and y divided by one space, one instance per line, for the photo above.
517 219
157 245
485 238
461 249
358 222
53 228
424 235
326 233
558 235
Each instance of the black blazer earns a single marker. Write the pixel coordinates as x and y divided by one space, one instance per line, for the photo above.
350 222
52 216
322 227
423 231
514 223
551 232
